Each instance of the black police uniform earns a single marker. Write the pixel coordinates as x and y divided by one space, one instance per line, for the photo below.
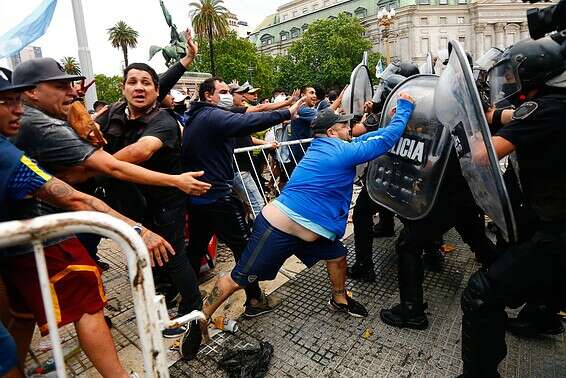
455 207
532 269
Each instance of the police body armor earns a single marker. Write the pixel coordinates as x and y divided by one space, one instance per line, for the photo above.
406 179
458 107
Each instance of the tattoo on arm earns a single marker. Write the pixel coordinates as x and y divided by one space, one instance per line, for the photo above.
55 192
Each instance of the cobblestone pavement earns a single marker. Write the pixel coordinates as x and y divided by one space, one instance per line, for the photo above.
309 341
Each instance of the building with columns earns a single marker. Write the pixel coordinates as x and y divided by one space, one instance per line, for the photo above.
419 26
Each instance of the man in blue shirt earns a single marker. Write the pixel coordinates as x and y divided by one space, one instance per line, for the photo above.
309 217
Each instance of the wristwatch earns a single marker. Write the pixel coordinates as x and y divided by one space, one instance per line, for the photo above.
138 228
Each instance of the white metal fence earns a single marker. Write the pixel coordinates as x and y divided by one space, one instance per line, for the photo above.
150 310
274 170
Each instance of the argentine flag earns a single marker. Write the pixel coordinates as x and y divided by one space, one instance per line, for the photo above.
27 31
379 68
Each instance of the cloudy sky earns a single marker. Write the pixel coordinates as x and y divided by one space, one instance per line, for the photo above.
143 15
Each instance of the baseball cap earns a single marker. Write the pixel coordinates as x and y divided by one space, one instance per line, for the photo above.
178 96
253 90
39 70
6 82
244 88
327 118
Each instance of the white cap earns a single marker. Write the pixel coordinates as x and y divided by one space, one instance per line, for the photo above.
178 96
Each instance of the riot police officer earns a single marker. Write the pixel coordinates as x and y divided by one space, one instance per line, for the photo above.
365 208
531 75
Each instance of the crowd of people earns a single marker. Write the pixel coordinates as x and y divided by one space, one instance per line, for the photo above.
164 167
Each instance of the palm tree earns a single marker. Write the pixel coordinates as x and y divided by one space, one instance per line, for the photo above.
70 65
210 21
123 36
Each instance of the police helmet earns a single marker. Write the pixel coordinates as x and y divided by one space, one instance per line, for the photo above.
526 65
407 69
384 89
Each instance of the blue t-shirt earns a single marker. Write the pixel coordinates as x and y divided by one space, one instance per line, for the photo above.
320 188
19 176
301 129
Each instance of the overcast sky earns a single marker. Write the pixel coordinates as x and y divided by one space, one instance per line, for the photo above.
143 15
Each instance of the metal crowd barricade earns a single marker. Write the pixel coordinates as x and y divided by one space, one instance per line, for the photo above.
277 147
150 310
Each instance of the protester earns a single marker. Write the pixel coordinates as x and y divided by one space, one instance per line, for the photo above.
139 132
80 293
309 217
208 145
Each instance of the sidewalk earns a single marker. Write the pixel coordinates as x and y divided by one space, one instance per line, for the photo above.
309 341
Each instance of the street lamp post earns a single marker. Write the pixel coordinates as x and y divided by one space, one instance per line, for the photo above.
385 19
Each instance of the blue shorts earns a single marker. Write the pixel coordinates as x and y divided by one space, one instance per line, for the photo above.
268 248
8 354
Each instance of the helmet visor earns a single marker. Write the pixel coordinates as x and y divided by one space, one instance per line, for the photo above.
504 82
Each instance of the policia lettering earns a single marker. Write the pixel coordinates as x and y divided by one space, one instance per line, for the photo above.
411 149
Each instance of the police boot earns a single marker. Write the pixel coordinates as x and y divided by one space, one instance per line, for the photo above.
410 312
534 320
362 272
405 315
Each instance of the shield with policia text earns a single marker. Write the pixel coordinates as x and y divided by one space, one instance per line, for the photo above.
407 178
359 90
458 107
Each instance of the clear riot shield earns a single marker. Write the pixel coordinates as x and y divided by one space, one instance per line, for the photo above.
458 107
406 180
427 67
359 90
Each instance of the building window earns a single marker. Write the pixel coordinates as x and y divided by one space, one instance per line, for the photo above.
460 20
443 20
442 2
425 46
462 2
348 14
424 21
361 12
424 2
305 27
285 17
284 36
266 39
294 13
295 32
462 41
443 43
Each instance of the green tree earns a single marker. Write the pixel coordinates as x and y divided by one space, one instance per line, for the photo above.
210 21
70 65
123 36
234 56
326 54
108 88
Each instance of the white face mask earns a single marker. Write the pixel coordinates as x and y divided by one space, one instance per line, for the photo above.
226 100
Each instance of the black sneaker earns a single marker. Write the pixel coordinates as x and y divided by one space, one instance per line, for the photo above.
266 304
190 341
362 273
353 308
173 332
534 320
405 316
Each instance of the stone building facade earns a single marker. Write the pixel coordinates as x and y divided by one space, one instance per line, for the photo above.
419 26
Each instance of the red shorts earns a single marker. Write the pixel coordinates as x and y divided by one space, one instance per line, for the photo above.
76 285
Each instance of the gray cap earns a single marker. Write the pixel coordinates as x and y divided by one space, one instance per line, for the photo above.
38 70
327 118
6 82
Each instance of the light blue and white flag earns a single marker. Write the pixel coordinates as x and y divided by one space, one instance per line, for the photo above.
27 31
379 68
